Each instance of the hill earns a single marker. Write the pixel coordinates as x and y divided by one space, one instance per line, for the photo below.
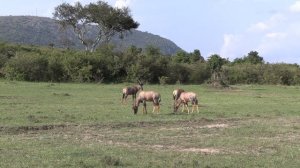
45 31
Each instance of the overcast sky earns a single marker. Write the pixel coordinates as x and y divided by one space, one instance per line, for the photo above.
230 28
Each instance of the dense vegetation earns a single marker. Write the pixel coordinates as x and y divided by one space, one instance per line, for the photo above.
32 63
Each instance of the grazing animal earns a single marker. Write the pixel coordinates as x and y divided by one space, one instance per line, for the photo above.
147 96
132 91
186 97
176 94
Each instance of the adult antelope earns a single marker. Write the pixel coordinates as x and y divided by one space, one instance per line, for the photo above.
147 96
132 91
184 98
176 94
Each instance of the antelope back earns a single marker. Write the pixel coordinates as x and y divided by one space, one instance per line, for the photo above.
149 96
188 96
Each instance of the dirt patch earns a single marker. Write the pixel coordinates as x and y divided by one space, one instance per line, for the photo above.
24 129
9 97
106 126
215 126
195 127
164 147
202 150
190 136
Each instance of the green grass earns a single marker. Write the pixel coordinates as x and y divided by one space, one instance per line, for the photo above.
85 125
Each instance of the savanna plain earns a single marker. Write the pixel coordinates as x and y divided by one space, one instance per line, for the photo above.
86 125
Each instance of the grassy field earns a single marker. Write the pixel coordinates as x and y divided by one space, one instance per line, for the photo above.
85 125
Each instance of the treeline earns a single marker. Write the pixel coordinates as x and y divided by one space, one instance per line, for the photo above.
30 63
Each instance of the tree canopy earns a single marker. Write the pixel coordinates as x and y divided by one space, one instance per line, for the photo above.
109 21
252 58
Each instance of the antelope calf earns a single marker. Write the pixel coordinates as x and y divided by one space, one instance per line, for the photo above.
147 96
131 91
186 97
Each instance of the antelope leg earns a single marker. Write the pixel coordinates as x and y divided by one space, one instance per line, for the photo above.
145 106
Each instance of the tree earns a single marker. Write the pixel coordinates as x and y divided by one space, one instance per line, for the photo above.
215 63
252 58
184 57
108 20
181 57
196 56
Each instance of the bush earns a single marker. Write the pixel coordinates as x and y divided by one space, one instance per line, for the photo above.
56 69
27 67
244 73
106 65
284 74
200 73
178 73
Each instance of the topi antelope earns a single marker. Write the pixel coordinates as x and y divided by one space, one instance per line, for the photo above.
176 94
132 91
186 97
147 96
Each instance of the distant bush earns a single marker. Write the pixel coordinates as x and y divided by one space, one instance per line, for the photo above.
244 73
6 52
107 65
27 67
200 73
56 70
285 74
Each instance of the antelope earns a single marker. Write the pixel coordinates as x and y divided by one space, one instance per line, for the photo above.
147 96
186 97
176 94
132 91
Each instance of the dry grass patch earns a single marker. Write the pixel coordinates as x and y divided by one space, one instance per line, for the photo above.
248 136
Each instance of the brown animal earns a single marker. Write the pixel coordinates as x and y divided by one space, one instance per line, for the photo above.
132 91
147 96
176 94
186 97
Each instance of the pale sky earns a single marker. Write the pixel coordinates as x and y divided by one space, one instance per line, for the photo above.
230 28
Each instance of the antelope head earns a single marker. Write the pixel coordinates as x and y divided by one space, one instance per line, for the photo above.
176 105
135 106
135 109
